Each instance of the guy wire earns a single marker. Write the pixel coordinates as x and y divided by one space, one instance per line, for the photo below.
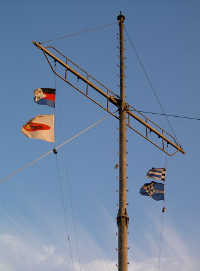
15 172
149 80
93 29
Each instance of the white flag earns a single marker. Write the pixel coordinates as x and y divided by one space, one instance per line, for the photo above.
40 127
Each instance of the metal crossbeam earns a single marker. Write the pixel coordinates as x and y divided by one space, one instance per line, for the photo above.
84 83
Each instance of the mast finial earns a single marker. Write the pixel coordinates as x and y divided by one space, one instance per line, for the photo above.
121 17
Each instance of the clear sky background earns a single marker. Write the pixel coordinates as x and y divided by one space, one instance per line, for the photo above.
60 213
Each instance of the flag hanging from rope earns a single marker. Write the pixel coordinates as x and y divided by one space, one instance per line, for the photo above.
157 174
40 127
45 96
153 190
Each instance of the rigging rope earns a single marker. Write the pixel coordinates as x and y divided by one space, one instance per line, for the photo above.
160 240
97 28
162 222
61 189
149 81
74 227
172 130
15 172
169 115
64 208
55 86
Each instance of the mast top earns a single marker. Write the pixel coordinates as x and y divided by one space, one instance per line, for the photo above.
121 17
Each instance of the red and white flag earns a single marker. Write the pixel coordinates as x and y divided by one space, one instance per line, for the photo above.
40 127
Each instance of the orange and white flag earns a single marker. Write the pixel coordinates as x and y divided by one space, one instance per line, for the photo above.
40 127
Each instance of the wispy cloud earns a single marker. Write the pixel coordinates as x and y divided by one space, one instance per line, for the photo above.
18 254
169 252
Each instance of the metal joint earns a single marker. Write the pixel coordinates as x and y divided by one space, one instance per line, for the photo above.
123 220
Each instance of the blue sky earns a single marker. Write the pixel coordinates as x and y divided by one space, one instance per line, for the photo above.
60 213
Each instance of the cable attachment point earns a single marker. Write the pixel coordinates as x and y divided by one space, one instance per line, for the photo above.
163 209
55 151
116 166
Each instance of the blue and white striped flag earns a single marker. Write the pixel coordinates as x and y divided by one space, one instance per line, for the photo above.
156 174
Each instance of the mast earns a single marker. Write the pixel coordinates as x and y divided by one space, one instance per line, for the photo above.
122 216
143 126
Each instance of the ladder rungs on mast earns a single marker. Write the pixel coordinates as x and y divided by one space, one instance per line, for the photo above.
109 101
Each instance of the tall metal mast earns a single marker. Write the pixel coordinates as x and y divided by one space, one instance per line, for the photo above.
136 121
122 217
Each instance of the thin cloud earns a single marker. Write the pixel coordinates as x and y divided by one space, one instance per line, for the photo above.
18 254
